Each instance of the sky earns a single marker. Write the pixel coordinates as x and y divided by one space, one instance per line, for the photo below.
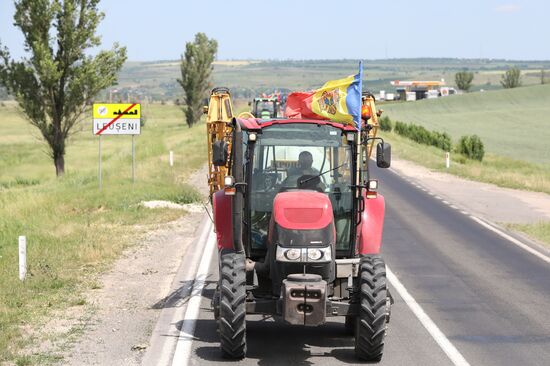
321 29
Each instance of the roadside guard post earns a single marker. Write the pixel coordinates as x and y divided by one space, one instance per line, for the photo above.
22 257
117 119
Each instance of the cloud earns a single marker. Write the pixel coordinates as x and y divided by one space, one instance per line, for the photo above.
508 8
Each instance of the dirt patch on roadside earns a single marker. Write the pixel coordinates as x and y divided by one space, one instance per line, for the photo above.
123 318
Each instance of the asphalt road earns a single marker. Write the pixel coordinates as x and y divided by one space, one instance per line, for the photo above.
490 298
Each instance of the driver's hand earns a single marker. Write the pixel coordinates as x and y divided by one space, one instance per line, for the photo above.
249 265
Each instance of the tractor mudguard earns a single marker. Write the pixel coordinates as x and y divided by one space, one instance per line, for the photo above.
372 224
222 205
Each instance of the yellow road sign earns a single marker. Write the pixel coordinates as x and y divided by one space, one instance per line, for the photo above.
112 111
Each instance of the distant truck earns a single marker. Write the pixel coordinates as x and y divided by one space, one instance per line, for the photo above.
446 91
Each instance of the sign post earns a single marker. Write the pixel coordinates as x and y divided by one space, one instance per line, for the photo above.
133 160
117 119
99 159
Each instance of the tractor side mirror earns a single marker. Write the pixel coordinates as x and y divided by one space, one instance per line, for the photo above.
383 155
220 152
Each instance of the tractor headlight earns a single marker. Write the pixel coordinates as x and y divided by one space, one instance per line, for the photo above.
318 255
293 254
314 254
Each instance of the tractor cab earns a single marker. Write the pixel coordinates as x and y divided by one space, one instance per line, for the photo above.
300 157
266 107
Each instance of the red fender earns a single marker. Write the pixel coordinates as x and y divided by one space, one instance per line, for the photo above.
372 224
222 205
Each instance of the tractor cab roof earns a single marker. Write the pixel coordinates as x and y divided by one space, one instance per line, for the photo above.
265 99
256 124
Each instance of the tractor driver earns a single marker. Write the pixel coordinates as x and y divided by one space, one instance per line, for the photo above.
304 167
305 162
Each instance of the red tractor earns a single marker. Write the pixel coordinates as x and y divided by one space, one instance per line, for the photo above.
298 223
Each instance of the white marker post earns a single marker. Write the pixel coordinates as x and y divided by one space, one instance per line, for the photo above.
171 158
22 257
447 160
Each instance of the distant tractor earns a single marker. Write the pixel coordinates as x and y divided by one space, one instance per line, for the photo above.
298 222
266 107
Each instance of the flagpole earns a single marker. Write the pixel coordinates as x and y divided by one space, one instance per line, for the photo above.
358 124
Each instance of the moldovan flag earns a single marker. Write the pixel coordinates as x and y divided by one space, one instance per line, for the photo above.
337 100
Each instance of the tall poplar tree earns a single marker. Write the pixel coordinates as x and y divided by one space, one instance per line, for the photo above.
58 79
196 70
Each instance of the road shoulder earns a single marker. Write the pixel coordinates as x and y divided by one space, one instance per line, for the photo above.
496 205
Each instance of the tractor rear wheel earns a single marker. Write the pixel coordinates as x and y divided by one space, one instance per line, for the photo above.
232 313
370 328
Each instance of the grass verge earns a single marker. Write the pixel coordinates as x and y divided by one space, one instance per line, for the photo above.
540 231
495 169
74 230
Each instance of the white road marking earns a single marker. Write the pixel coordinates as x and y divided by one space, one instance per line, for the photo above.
185 339
513 240
450 350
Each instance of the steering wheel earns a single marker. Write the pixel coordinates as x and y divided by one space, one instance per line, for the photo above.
245 115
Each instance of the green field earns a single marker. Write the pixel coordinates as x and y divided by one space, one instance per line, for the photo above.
75 230
513 122
514 125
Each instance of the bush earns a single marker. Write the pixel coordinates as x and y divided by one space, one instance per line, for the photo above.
423 136
511 78
385 124
471 147
463 80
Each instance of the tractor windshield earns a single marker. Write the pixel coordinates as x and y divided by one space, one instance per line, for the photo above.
286 155
265 109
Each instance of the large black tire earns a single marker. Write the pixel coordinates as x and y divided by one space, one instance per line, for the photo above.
371 327
232 315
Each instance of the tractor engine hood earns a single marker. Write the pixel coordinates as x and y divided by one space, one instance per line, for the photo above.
303 218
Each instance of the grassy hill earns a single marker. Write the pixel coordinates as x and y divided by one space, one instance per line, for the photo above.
511 122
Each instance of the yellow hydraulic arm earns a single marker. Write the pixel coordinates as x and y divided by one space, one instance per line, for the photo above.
218 128
369 108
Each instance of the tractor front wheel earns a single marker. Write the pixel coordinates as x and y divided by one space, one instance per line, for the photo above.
232 311
370 328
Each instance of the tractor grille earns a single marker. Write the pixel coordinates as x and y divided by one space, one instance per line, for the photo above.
305 238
